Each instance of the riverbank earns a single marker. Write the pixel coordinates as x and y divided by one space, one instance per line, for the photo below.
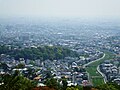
95 77
94 61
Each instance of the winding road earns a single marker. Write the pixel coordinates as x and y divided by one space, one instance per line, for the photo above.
93 61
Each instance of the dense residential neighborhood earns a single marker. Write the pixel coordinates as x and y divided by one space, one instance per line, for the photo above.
48 51
111 70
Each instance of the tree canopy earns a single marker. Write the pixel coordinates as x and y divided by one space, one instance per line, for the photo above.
42 52
14 82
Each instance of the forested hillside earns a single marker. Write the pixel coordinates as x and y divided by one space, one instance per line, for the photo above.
42 52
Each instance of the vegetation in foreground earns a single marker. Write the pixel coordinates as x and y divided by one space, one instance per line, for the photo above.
15 82
18 82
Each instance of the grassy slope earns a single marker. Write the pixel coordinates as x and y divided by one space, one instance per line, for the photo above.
96 78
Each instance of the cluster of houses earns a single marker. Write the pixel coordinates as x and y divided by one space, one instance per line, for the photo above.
70 68
40 70
111 70
111 43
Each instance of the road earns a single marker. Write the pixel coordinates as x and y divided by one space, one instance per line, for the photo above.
103 75
94 61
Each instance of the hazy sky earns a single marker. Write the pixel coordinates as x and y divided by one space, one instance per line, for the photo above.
68 8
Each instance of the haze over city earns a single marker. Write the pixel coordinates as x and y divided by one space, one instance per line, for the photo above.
59 44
